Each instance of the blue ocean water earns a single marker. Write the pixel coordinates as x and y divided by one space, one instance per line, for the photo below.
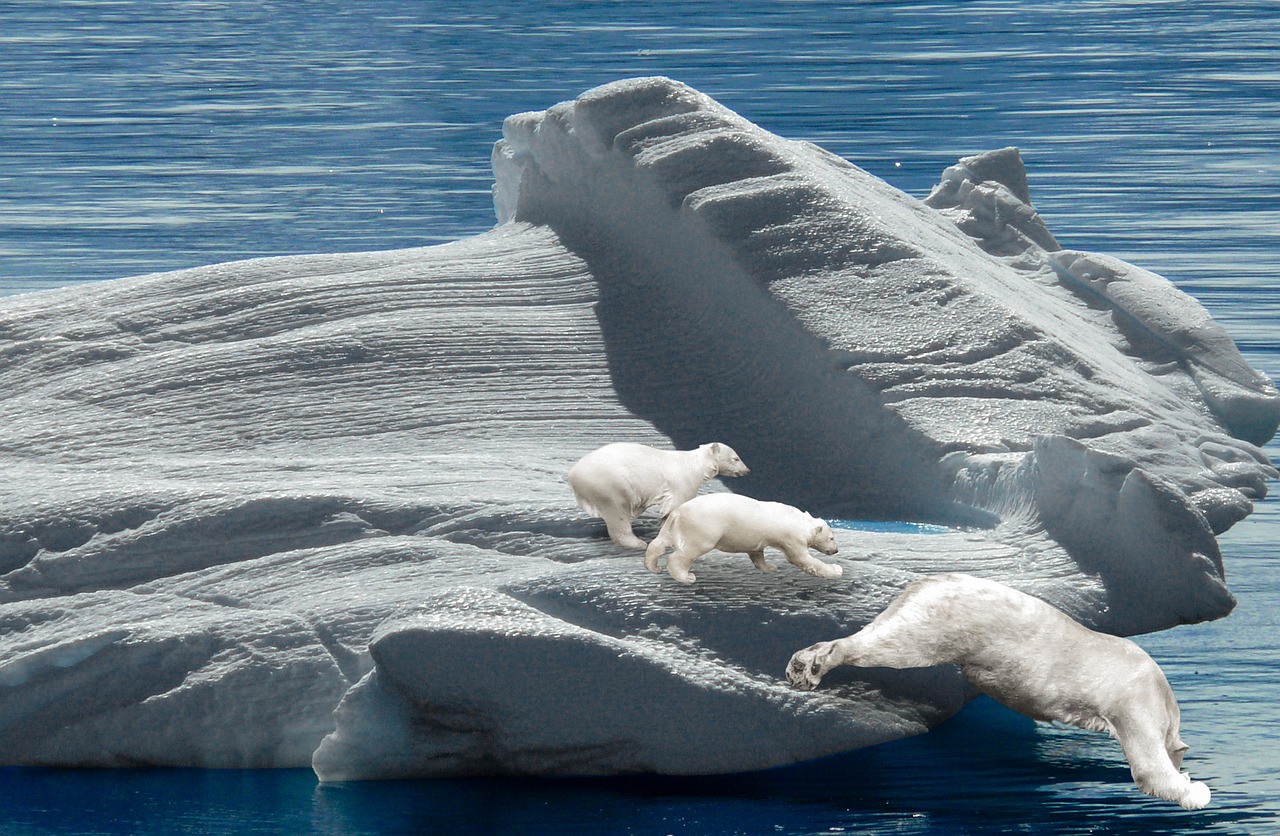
139 136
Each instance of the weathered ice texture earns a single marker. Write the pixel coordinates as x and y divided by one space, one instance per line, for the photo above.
313 509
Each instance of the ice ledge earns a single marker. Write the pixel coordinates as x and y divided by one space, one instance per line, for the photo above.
443 700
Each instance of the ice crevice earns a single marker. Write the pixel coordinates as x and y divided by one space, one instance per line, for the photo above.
312 509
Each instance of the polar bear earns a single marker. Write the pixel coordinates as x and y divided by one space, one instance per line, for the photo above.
1034 659
734 523
617 482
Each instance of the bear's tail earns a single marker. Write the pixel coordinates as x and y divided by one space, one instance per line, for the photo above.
582 501
587 507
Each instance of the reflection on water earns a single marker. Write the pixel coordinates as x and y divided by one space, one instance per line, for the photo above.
987 770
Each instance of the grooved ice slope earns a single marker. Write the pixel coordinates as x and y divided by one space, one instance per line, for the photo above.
312 509
915 357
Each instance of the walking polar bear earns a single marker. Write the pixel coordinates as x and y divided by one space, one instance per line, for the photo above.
618 482
734 523
1032 658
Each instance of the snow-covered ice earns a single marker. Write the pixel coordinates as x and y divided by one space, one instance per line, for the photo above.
313 510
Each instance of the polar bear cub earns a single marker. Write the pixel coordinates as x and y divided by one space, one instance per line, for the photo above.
734 523
618 482
1034 659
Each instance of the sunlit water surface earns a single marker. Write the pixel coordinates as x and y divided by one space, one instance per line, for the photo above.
137 137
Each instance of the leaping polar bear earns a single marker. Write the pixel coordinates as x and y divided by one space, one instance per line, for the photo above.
1034 659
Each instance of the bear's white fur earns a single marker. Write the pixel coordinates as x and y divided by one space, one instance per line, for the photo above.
1034 659
734 523
618 482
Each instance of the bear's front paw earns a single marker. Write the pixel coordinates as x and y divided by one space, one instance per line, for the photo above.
820 569
1196 796
829 570
805 669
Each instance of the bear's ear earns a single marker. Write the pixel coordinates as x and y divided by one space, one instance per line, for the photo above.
715 448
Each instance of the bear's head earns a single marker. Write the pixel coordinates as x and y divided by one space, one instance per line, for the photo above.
725 459
823 538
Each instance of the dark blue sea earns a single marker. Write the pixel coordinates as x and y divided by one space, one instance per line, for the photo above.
144 136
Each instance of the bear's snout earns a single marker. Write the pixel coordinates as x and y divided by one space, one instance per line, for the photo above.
824 540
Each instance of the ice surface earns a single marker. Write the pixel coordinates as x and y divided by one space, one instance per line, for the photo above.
313 509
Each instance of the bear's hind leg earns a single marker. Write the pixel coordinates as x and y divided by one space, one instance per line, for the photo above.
679 561
808 666
657 548
619 525
893 640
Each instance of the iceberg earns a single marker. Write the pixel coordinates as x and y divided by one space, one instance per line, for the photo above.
312 510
